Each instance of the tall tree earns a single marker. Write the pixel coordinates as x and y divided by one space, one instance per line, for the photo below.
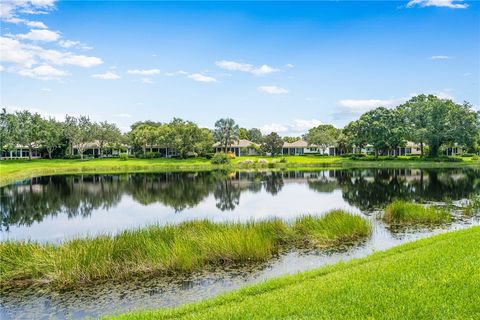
71 132
28 130
439 122
255 135
86 134
272 144
184 136
106 133
243 134
226 132
324 136
51 135
7 130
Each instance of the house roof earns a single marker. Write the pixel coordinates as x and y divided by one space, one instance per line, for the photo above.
296 144
242 143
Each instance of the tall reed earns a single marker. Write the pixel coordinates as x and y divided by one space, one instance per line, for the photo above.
185 247
407 212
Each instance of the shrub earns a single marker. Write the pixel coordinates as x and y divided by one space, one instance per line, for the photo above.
246 163
220 158
475 158
71 156
151 155
406 212
123 156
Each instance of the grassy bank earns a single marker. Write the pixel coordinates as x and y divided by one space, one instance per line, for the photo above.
434 278
402 212
14 170
182 248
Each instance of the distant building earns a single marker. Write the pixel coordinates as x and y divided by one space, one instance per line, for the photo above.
20 152
241 147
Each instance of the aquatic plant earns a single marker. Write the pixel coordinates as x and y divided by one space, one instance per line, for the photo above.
407 212
185 247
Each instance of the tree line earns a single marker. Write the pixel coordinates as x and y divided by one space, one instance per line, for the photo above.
424 119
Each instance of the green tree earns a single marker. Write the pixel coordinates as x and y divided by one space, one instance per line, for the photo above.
290 139
272 144
376 130
439 122
184 136
7 130
86 134
106 134
226 132
205 142
71 132
255 135
324 136
51 135
243 134
28 129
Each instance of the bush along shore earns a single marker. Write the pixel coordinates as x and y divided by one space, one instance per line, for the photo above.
402 212
185 247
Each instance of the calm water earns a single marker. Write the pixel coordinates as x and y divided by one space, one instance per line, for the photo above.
52 209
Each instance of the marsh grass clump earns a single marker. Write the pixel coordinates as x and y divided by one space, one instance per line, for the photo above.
402 212
334 228
186 247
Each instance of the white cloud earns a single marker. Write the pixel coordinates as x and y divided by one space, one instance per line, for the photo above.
444 94
263 70
106 76
289 65
73 44
46 90
179 72
147 81
2 68
200 77
363 105
272 90
440 57
149 72
40 35
274 127
13 51
43 72
453 4
298 127
245 67
9 10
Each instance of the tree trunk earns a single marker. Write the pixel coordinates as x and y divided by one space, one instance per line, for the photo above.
29 153
49 153
434 148
421 149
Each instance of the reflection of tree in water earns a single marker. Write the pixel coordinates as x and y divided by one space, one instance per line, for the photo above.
24 204
227 194
177 190
375 188
80 195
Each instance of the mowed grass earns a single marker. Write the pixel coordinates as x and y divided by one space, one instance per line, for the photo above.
169 249
402 212
14 170
434 278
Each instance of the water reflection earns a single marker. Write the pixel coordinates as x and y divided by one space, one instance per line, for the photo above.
86 196
54 208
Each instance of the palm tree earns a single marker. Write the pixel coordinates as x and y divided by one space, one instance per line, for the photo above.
226 132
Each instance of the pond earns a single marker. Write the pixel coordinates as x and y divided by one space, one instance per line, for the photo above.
56 208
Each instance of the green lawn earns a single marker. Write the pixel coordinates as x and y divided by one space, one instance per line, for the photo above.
13 170
434 278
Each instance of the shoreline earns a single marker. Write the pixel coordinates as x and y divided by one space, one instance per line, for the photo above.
12 171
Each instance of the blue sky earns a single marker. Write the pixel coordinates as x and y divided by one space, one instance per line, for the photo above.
276 66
